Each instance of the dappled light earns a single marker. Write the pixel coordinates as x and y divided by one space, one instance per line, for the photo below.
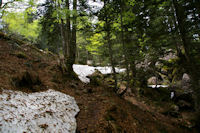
100 66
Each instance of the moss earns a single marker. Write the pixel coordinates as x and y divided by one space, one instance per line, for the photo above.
175 70
165 68
21 55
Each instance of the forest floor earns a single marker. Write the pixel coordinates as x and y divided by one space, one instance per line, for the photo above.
101 110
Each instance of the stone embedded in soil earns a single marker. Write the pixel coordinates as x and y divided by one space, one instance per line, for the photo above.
49 112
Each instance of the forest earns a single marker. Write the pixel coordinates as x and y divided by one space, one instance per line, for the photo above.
117 66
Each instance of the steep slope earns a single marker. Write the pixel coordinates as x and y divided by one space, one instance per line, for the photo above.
26 68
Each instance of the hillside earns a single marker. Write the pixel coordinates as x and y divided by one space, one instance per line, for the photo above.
28 69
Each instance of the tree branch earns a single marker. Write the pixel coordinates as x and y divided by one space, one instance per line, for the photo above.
7 4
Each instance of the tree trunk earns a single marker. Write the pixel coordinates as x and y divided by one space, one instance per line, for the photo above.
73 40
70 39
108 36
124 50
67 41
181 29
186 42
63 37
111 58
62 33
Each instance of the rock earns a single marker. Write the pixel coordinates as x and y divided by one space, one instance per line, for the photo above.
152 81
89 62
96 78
186 78
185 82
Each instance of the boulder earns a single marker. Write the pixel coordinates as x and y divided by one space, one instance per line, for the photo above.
89 62
185 78
152 81
96 78
186 82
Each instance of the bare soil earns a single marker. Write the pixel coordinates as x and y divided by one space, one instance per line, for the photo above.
101 110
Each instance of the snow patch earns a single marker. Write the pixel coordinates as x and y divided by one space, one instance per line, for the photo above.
48 112
84 70
158 86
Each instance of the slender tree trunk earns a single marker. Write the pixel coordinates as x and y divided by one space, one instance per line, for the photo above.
63 37
73 40
124 50
68 32
77 55
112 59
68 41
62 33
107 28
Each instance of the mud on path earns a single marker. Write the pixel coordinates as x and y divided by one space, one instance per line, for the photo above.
101 110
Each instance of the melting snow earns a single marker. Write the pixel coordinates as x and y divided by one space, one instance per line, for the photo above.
158 86
47 112
84 70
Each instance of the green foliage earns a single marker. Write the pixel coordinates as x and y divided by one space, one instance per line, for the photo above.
21 55
17 24
96 41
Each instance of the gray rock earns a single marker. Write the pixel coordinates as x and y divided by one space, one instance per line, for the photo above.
186 79
186 83
152 81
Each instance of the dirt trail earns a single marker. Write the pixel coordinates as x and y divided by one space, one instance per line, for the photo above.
101 110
